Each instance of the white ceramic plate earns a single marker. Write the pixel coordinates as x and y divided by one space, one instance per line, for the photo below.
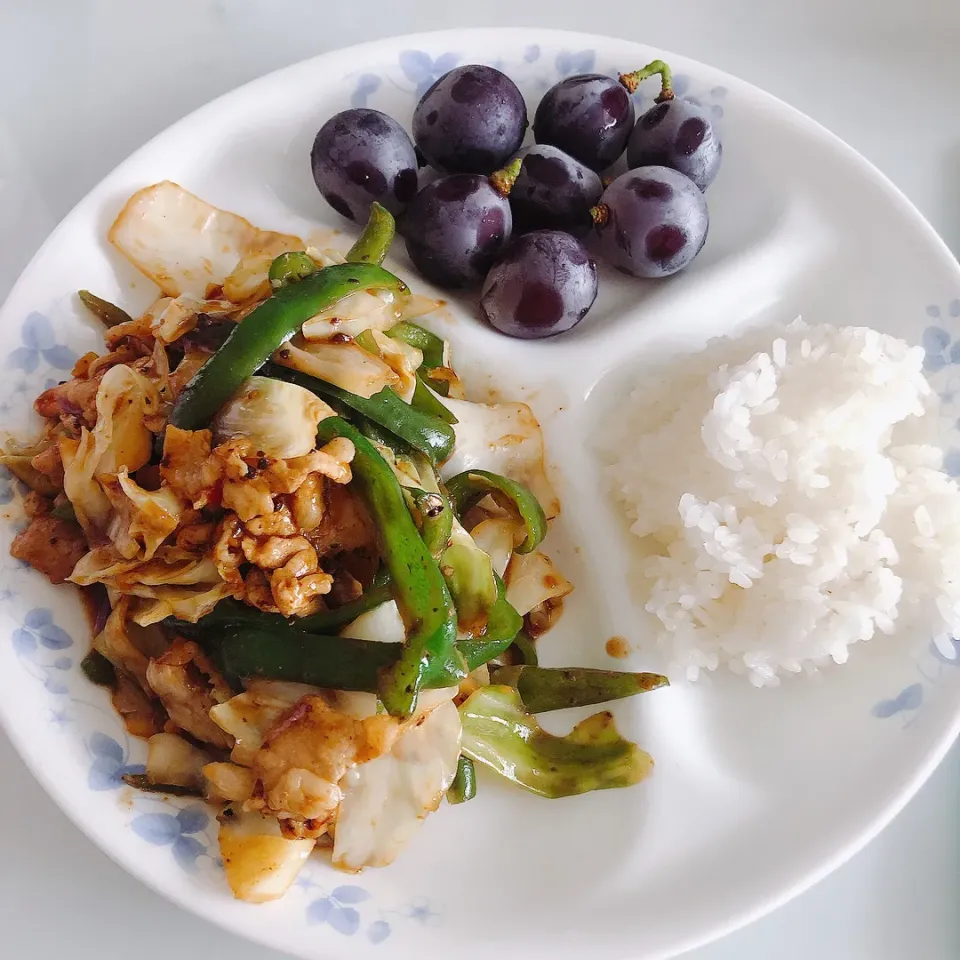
756 794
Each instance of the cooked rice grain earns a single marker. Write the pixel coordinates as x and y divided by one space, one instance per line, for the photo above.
788 489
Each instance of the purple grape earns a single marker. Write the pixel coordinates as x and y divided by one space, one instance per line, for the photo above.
472 120
677 134
651 221
554 192
456 227
360 156
588 116
544 284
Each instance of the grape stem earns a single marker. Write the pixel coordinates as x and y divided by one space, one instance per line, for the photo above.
503 180
633 80
599 214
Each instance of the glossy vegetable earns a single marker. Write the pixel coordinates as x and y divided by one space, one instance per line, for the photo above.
499 732
281 651
372 245
557 688
436 520
259 862
108 314
98 669
279 418
464 786
428 434
436 354
263 330
471 486
291 267
470 578
420 590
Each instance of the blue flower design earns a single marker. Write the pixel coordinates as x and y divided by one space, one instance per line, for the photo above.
532 53
909 698
421 912
109 763
569 63
367 83
39 632
337 910
39 628
39 341
938 349
177 832
7 488
422 70
378 931
60 718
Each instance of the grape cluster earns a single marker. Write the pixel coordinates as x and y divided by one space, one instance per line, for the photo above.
516 225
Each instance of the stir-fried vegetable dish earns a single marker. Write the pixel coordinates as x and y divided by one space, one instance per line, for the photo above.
317 567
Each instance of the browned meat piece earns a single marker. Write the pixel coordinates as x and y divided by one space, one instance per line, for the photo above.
48 462
51 546
346 522
75 399
188 468
35 505
188 685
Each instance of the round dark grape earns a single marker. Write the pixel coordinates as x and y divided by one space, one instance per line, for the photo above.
455 228
677 134
472 120
554 192
651 221
363 155
544 284
588 116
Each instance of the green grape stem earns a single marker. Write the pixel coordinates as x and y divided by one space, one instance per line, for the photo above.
599 214
633 80
503 180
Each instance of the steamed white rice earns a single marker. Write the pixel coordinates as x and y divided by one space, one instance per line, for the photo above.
788 490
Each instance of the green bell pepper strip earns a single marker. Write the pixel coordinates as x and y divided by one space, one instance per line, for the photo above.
432 437
99 669
503 625
419 588
266 328
140 781
428 343
372 245
525 650
467 488
436 520
107 313
500 732
433 348
464 786
232 612
291 267
557 688
279 651
425 401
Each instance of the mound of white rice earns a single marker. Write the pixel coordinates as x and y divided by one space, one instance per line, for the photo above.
789 493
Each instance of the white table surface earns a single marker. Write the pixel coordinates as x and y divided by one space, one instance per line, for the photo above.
85 82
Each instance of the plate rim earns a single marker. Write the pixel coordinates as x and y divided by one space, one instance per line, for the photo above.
103 837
